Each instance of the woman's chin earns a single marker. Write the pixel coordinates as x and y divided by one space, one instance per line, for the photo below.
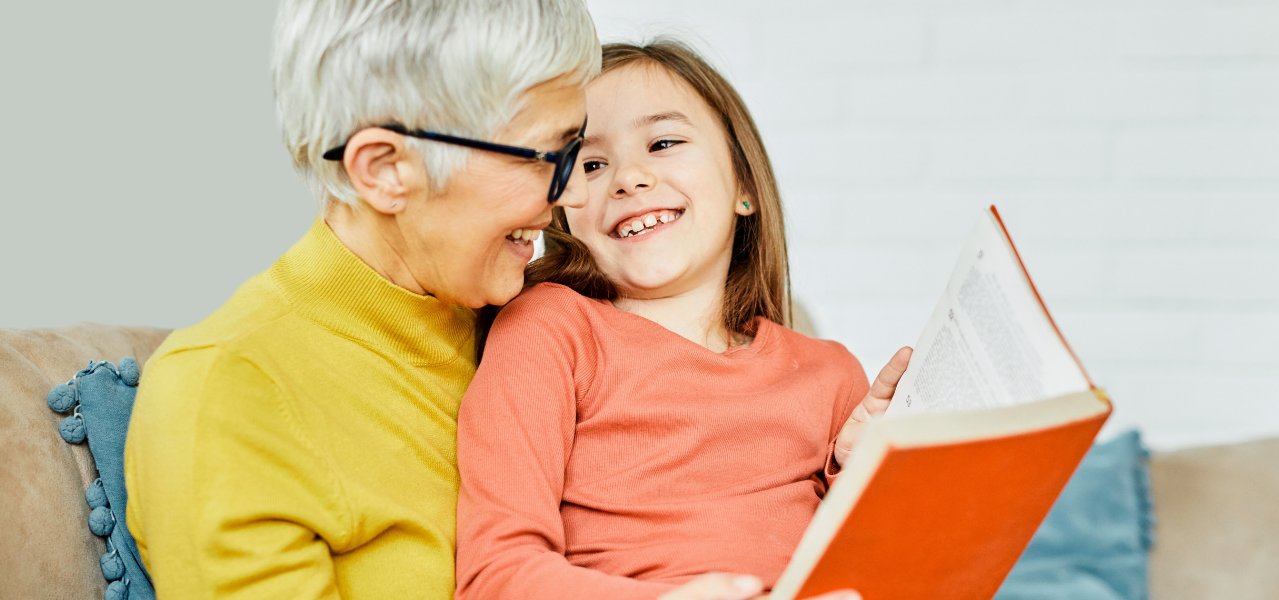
503 286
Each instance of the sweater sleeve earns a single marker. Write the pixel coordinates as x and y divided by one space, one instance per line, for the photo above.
225 498
515 433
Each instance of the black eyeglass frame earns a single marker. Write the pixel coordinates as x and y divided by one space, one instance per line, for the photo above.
564 159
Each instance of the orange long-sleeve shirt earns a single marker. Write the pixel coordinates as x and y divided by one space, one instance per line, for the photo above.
604 456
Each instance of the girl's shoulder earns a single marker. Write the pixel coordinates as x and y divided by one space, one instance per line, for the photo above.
550 298
548 308
822 354
806 343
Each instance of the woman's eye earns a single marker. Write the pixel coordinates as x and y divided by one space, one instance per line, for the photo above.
591 165
663 144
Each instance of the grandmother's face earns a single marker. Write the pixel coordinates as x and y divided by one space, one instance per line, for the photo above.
464 243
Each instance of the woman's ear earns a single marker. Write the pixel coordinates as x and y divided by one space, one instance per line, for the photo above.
378 164
745 205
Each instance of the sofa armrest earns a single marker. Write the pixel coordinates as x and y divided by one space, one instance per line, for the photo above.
1217 523
46 549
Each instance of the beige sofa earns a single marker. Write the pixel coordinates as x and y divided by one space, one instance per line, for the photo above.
1217 508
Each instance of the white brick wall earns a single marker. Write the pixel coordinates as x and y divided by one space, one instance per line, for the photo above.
1132 146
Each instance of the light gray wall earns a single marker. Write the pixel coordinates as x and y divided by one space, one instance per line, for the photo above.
143 176
1132 146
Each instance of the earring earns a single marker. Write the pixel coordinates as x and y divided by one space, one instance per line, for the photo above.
393 203
747 205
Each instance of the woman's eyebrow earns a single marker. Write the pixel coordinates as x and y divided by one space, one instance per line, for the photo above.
570 133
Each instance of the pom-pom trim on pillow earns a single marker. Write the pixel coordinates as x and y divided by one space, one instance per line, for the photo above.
102 519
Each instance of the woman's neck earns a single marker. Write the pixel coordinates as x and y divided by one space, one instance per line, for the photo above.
696 315
372 238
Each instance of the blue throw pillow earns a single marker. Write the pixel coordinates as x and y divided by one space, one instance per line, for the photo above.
1094 544
101 398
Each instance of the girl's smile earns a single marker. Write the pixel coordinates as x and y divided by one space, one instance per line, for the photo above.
662 195
645 222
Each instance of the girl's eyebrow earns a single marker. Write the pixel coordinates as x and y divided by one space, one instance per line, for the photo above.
670 115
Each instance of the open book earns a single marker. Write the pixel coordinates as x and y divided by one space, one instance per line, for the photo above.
941 496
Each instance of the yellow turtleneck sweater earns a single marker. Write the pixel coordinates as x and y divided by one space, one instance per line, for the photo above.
301 442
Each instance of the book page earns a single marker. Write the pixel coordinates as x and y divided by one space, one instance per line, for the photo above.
989 342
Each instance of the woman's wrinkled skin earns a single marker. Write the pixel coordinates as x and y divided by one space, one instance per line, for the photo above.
453 243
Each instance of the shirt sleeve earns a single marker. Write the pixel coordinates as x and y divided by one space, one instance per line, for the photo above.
855 388
227 497
515 433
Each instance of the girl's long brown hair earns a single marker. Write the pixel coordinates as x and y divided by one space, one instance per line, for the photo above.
758 276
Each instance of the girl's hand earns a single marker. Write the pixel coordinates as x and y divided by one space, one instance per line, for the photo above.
722 586
717 586
873 405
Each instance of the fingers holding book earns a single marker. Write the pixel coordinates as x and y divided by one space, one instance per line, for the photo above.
873 405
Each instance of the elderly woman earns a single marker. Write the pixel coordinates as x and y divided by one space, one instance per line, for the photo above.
300 442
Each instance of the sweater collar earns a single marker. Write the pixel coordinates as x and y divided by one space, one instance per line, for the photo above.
325 282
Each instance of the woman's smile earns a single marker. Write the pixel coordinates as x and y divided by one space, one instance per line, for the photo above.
520 241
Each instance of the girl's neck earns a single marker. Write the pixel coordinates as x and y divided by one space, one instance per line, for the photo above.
696 315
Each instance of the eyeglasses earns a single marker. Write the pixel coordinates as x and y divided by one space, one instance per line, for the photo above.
564 159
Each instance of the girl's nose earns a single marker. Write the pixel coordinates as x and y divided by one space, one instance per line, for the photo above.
631 179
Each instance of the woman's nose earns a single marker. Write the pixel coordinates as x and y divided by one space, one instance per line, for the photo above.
574 195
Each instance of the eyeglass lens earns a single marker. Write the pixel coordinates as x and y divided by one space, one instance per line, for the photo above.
564 169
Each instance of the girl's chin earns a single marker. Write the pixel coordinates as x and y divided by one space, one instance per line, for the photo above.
648 287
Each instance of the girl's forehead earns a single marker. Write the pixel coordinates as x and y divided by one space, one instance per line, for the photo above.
637 95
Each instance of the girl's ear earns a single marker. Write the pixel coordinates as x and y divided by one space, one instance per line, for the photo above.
745 205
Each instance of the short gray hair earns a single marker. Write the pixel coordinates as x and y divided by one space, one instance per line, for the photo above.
450 66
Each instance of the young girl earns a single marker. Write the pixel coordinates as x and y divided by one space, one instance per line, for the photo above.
643 417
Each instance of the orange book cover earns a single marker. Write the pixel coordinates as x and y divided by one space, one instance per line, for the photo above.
950 520
990 420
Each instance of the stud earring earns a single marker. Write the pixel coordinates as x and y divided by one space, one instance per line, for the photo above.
747 205
393 203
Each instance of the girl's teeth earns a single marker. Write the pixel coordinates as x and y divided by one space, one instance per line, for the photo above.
517 234
530 234
639 226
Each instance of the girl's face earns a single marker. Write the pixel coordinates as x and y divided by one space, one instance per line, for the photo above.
662 198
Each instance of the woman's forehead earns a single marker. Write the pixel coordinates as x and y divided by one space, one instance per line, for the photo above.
550 111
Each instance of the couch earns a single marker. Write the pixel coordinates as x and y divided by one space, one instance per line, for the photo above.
1217 509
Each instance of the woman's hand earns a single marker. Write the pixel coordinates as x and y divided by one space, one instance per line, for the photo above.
873 405
722 586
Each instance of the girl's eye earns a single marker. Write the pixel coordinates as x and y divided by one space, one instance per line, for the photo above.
591 165
663 144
